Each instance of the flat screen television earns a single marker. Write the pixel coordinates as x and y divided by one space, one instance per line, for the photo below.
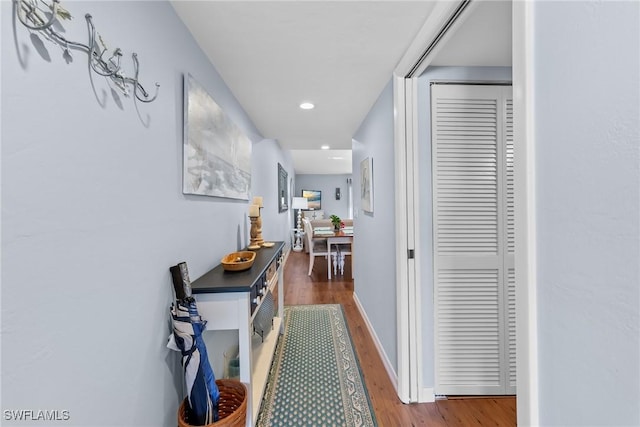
314 198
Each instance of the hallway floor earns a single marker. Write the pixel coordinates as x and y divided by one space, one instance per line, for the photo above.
299 288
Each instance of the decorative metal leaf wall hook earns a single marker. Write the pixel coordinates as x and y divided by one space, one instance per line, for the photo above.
40 16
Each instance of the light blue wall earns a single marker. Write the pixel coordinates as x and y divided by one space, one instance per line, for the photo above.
93 216
587 145
267 154
426 196
375 243
327 184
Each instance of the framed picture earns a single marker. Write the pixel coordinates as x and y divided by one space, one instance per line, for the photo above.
283 190
314 198
366 184
216 153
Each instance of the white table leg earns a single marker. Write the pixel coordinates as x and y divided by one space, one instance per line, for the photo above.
329 258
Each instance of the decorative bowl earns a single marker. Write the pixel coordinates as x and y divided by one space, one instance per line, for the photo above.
238 261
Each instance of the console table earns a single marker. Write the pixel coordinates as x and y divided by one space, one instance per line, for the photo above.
230 300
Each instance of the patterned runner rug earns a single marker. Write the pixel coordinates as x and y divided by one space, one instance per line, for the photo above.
315 379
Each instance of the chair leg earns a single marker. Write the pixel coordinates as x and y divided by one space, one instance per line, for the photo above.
341 263
311 259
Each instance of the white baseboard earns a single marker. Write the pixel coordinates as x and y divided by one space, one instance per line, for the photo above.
427 395
287 251
385 360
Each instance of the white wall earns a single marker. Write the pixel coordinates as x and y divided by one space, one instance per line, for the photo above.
375 245
587 144
476 74
327 184
93 216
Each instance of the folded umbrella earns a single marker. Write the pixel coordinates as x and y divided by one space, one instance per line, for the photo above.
202 391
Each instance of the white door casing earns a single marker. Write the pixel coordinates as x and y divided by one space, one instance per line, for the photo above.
525 218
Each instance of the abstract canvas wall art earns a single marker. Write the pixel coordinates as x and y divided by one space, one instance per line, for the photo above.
216 153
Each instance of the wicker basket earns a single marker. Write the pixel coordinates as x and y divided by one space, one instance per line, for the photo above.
232 406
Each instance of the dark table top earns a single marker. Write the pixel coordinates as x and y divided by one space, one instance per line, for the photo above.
218 280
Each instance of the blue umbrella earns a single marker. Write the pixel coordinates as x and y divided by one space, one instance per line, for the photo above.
203 393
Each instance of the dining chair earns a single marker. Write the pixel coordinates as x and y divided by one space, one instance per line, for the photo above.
317 247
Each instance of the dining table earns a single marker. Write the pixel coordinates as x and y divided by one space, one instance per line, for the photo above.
334 237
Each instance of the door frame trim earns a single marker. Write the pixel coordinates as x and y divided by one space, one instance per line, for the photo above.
404 378
523 74
440 25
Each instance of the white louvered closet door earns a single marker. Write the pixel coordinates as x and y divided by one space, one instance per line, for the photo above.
472 151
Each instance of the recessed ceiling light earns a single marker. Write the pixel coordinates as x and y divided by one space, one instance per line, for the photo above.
325 147
336 158
306 106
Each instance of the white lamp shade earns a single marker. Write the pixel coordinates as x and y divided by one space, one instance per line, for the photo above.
300 203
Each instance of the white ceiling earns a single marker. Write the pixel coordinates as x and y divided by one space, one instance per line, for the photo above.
322 161
339 55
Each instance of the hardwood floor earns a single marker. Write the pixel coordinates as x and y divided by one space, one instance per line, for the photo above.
299 288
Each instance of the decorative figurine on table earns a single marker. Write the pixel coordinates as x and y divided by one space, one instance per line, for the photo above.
259 240
257 200
254 216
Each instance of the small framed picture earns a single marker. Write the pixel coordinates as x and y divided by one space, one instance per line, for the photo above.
366 184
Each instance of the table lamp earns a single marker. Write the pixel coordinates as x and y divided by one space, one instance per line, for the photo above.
299 203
